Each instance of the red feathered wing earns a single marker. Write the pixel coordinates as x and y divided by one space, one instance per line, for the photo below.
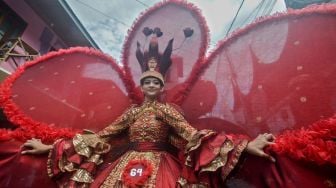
64 91
274 75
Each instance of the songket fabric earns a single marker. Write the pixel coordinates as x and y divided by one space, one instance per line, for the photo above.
149 145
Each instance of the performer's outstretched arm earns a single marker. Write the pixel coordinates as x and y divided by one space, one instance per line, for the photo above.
222 151
35 146
72 162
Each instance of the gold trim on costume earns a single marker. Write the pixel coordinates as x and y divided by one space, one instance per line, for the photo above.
82 176
195 143
196 140
236 154
87 144
49 163
69 167
184 184
95 158
81 147
221 159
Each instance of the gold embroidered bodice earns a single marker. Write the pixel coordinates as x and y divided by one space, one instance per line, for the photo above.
151 122
148 127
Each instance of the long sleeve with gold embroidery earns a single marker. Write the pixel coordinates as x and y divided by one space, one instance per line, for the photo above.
119 125
76 159
175 119
206 151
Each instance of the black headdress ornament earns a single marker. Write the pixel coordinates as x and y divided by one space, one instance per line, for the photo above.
163 61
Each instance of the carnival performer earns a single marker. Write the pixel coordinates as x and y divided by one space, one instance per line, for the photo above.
161 149
262 78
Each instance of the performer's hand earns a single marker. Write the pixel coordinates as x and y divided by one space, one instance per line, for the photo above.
256 146
35 147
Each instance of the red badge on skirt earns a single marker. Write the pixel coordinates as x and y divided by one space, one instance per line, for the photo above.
137 172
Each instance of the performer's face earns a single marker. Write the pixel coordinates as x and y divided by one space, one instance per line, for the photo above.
152 63
151 87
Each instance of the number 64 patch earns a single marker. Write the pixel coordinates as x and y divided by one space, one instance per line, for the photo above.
137 172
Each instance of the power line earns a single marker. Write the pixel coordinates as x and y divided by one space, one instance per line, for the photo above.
118 20
102 13
144 4
271 7
234 19
267 7
263 8
255 10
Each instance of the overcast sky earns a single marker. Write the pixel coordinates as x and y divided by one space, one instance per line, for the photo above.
107 21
